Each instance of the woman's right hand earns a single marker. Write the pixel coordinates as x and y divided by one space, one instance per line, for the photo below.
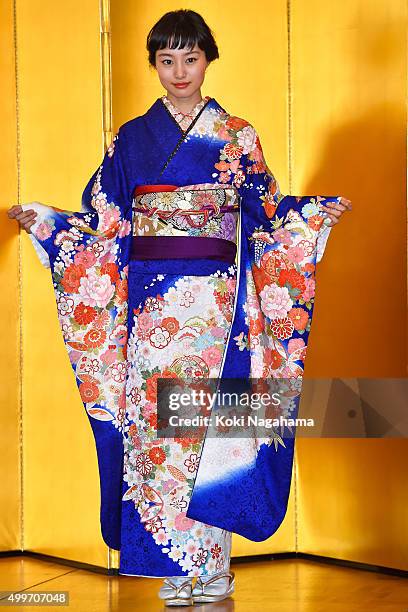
26 218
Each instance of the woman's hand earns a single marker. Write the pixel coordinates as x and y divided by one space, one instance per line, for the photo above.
26 218
335 210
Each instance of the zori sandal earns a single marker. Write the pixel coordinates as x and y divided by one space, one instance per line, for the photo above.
211 591
176 594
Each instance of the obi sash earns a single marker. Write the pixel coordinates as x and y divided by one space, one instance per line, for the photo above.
190 222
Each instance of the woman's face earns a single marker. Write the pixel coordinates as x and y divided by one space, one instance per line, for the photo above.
180 66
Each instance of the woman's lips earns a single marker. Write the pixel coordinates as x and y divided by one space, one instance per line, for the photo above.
181 85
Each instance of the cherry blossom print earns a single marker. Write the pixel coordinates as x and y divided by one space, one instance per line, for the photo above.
200 557
192 462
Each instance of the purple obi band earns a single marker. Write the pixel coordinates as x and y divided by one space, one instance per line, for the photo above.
183 247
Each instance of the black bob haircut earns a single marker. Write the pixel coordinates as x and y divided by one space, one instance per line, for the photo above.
178 30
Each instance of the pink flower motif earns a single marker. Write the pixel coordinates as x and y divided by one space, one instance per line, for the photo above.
275 301
182 523
294 344
148 409
108 357
234 165
191 547
74 356
231 284
247 139
161 537
96 290
295 254
224 134
44 230
99 202
211 355
169 485
224 177
87 258
282 235
110 217
144 322
310 289
125 229
97 248
217 332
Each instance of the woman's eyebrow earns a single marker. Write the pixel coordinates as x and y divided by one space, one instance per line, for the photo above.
171 54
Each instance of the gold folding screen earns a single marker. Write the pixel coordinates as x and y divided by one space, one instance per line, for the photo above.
324 84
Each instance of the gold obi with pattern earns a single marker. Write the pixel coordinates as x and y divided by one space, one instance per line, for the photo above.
192 211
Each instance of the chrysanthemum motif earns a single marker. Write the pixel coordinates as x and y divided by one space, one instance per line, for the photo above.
143 464
282 328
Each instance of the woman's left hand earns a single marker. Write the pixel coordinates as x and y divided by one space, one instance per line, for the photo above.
334 210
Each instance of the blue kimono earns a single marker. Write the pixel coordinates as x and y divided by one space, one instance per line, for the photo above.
185 261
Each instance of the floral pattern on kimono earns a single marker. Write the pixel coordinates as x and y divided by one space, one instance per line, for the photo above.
178 331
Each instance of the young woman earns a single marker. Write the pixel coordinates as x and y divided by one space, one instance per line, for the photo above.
185 261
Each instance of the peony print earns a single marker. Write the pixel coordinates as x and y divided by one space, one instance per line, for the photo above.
96 290
275 301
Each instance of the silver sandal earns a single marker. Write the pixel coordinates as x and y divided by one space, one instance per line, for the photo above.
176 595
199 594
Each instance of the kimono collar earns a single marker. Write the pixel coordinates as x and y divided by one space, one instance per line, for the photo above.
184 119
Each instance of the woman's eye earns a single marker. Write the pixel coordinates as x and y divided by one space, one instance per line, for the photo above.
193 59
166 60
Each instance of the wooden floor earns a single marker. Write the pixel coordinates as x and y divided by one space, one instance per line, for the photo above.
280 585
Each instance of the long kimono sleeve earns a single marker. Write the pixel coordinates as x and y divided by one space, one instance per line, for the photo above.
88 254
283 237
244 487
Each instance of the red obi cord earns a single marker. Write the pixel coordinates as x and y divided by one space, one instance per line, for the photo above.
140 189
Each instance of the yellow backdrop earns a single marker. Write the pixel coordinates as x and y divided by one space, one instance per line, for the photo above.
324 84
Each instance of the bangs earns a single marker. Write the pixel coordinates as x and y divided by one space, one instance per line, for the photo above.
179 38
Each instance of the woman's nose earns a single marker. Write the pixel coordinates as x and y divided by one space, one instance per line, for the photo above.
179 71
